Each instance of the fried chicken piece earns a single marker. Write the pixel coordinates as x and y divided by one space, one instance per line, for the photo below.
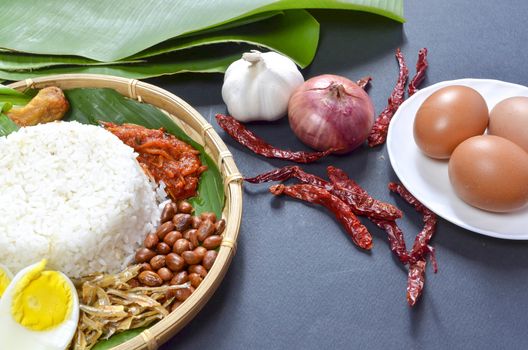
48 105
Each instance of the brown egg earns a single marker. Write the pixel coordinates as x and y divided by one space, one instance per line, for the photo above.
490 173
509 119
448 117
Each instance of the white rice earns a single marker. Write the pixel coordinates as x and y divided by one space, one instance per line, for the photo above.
73 194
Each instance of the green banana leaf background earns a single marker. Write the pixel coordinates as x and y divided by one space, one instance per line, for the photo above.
192 63
142 39
110 31
292 33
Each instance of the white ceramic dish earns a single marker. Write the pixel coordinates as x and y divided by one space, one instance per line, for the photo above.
427 179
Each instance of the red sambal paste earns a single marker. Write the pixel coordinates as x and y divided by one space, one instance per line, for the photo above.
163 157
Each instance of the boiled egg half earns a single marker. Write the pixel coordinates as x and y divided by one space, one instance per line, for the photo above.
38 310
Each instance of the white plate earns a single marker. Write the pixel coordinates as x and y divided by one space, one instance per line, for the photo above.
427 179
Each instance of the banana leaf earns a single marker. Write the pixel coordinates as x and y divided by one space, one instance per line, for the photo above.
117 339
110 31
293 33
17 61
7 126
13 96
236 23
187 64
89 106
24 61
5 106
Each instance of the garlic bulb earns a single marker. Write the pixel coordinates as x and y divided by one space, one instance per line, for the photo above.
259 85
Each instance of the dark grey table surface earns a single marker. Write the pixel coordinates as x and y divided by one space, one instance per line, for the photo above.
297 281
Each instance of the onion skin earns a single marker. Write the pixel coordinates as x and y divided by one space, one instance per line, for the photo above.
330 111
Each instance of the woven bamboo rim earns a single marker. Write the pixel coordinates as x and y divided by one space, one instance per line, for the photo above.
201 131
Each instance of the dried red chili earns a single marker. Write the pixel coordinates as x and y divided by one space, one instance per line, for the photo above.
347 190
415 282
363 82
319 191
288 172
394 233
395 237
421 67
378 134
313 194
365 204
246 138
421 247
409 198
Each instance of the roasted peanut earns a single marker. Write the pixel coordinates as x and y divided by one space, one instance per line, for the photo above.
144 254
195 221
172 237
199 269
183 294
185 207
163 248
174 262
145 267
157 262
212 242
208 216
209 259
151 240
193 238
181 222
200 251
168 212
150 278
191 257
164 228
187 233
195 279
165 274
181 245
220 226
205 229
179 278
170 294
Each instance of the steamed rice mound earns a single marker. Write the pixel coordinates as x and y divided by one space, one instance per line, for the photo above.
73 194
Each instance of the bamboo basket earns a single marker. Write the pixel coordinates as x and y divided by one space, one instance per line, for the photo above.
201 131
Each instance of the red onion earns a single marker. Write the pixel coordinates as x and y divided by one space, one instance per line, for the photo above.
329 111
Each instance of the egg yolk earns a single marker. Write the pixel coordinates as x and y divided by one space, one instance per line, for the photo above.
41 299
4 281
